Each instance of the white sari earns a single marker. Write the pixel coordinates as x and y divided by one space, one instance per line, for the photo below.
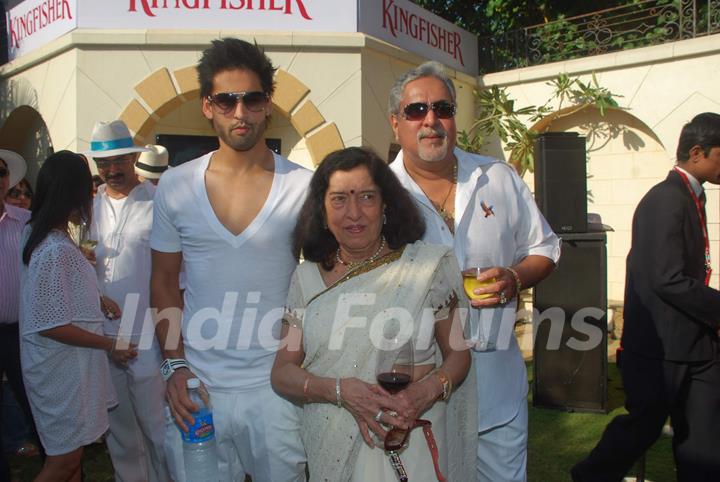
425 282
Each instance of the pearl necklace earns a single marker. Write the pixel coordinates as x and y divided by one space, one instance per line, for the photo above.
354 264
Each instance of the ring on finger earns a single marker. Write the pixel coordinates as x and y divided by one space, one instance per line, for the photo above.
378 415
503 298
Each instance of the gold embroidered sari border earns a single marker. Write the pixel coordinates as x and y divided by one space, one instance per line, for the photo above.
388 258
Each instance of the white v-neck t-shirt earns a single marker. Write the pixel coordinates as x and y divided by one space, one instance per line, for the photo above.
235 286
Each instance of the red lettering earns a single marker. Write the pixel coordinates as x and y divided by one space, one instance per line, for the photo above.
432 41
403 21
14 41
458 50
301 8
396 19
145 7
423 27
387 19
36 17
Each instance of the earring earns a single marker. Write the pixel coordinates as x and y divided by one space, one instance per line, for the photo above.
384 218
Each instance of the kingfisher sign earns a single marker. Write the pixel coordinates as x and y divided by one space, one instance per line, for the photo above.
253 15
33 23
402 23
151 7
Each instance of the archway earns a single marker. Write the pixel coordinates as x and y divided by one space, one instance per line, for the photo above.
26 133
163 92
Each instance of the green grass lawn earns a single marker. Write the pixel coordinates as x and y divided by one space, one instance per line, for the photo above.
558 439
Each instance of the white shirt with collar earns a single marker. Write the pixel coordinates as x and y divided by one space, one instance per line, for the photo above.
122 230
696 186
12 222
495 215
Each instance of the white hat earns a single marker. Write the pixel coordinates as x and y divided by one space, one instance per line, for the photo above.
152 163
112 139
16 165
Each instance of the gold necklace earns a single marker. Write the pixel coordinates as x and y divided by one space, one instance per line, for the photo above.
354 264
446 215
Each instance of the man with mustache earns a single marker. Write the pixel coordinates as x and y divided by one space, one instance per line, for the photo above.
228 217
122 219
482 208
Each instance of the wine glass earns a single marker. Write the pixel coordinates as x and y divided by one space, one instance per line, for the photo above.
395 363
394 372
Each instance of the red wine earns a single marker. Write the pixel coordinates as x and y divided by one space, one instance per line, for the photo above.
393 382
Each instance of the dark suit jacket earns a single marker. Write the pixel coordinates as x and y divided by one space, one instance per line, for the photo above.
669 312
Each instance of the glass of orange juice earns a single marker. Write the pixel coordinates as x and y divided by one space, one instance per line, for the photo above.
474 266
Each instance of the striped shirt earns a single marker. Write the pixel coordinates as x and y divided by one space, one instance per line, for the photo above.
12 222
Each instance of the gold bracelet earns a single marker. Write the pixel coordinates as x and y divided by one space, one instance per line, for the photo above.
518 283
305 389
445 382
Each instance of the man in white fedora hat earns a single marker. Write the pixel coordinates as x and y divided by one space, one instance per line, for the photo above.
12 222
122 219
151 164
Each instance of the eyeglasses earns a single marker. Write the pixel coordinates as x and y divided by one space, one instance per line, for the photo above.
4 172
15 193
105 162
227 101
418 110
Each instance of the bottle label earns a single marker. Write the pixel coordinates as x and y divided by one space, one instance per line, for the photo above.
202 430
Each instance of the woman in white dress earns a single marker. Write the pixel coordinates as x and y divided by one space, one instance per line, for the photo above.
63 353
359 233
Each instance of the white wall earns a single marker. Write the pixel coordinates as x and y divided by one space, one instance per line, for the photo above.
661 87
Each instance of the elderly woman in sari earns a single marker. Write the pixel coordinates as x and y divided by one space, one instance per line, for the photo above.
359 233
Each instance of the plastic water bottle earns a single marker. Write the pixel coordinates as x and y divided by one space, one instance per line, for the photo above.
199 449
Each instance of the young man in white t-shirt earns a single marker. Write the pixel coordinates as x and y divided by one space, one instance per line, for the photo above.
227 217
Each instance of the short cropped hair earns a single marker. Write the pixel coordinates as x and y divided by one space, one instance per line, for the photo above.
428 69
231 53
703 130
404 223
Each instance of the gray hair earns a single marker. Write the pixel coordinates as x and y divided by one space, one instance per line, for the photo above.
428 69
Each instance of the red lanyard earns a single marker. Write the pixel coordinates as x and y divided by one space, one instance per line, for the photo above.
703 225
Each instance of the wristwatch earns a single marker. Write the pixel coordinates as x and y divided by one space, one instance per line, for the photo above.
169 365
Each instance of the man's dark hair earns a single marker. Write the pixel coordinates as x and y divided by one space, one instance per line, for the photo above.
404 222
64 186
703 131
231 53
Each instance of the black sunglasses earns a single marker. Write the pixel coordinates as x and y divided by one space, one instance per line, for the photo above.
3 172
418 110
226 101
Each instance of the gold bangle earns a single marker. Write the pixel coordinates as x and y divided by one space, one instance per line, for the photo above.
445 382
305 388
518 283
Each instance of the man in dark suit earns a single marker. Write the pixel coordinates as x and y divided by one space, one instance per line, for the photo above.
670 362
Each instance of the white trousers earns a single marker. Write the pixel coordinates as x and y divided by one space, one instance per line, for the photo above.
136 437
257 433
502 450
